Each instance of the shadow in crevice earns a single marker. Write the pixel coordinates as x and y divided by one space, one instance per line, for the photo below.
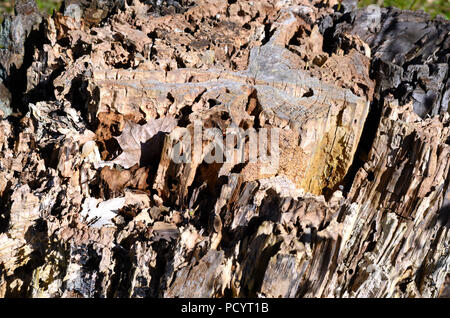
164 259
255 266
204 193
444 215
151 152
365 144
5 207
444 211
120 280
79 97
269 211
17 80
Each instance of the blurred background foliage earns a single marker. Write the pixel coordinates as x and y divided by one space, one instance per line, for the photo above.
48 5
433 7
44 5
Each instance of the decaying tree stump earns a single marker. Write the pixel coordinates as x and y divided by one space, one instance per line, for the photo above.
96 100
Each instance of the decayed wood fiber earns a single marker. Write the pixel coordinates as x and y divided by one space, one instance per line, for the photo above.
93 98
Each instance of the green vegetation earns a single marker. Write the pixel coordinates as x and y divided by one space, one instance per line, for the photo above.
44 5
48 5
433 7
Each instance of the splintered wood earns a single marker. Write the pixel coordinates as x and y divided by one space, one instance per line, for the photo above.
326 120
114 147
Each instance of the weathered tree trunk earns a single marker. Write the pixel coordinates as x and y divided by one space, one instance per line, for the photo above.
97 99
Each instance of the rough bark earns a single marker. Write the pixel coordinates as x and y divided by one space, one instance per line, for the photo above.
95 97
